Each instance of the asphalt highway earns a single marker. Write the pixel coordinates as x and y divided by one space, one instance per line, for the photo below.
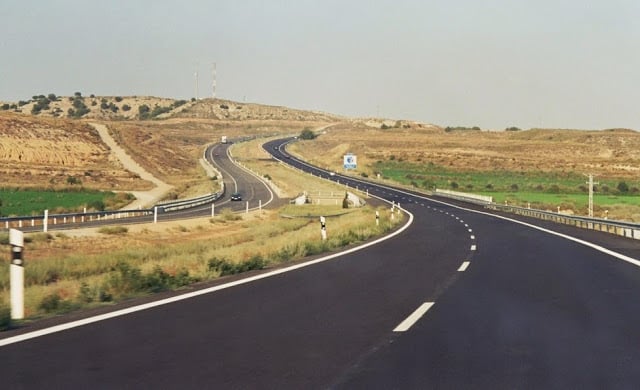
458 299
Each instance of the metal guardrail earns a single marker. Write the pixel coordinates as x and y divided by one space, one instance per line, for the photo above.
620 228
70 218
73 218
465 197
189 203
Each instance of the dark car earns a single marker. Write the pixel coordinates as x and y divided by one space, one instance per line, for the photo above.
236 196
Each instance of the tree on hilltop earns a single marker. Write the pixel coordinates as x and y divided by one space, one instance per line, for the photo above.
307 133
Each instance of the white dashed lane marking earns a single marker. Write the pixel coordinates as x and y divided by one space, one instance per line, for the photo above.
464 266
414 317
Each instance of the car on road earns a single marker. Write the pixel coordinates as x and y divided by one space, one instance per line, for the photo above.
236 196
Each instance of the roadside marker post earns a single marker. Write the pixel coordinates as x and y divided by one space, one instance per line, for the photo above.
155 214
377 218
247 208
213 210
45 222
16 278
323 228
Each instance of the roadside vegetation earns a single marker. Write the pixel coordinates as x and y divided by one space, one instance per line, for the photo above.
543 190
65 273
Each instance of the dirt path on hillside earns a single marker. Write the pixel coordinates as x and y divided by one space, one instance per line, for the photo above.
144 199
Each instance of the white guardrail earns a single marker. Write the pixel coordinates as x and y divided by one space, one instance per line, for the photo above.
620 228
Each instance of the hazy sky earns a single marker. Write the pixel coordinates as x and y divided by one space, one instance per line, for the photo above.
493 63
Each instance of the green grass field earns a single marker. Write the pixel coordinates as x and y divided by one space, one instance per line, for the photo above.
541 189
34 202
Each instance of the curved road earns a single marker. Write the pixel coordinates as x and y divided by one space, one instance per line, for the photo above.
505 305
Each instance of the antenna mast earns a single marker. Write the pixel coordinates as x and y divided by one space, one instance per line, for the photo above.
196 77
213 85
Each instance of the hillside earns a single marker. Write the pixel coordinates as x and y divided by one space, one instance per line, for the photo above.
49 149
147 107
613 153
45 152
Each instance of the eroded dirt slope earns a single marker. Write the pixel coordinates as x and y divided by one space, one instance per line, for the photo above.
36 152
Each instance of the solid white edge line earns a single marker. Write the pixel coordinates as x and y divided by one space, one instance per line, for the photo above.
464 266
414 317
133 309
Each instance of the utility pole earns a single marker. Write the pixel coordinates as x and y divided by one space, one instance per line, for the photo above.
591 183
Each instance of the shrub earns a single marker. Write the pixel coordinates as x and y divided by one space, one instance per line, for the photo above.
157 280
54 303
553 189
514 187
118 99
428 184
125 279
79 108
307 134
345 201
73 180
5 317
159 110
454 185
86 295
126 107
113 230
623 187
97 205
228 215
144 111
224 267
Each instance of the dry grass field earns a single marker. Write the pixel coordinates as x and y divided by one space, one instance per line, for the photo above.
614 153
